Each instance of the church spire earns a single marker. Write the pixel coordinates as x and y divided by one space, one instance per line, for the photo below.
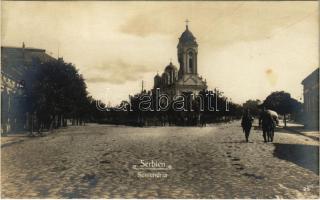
187 21
187 52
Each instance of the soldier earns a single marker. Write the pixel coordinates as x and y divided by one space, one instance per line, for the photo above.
246 123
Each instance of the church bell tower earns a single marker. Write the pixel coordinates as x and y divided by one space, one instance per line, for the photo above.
187 53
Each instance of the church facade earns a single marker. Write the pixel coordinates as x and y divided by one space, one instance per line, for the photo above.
185 80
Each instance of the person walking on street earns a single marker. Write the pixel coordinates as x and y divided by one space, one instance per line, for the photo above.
268 124
246 123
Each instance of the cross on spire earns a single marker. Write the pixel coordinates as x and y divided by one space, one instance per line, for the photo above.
187 21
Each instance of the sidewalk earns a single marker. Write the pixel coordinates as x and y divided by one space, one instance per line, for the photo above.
294 128
13 138
299 129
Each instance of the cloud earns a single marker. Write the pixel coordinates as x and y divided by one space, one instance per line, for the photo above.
116 72
238 41
140 25
218 24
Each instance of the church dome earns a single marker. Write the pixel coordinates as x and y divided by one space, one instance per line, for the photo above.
157 81
170 67
187 37
157 76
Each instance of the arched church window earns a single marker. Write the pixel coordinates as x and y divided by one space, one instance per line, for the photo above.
190 61
172 76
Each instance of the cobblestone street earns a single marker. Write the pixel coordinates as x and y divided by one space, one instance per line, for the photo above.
96 161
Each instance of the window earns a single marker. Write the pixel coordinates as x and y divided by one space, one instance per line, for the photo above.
190 55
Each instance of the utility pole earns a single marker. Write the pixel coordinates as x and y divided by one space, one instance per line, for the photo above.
141 86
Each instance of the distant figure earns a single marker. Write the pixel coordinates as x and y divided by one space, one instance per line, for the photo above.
203 120
163 120
268 122
246 123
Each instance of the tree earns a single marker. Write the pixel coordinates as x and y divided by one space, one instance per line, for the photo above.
281 102
297 113
253 106
58 91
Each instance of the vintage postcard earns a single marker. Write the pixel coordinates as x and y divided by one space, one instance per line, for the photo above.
160 99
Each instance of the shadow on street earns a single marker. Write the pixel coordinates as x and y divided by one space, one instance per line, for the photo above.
306 156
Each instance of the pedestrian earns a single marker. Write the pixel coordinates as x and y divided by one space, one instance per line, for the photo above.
268 124
246 123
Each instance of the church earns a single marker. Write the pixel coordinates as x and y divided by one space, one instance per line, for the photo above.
186 79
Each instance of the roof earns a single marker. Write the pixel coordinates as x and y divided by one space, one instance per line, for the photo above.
16 60
157 76
313 77
187 37
170 67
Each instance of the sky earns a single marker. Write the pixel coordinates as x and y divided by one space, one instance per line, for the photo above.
246 49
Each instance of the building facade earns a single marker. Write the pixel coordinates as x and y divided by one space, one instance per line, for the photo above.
16 65
174 81
311 100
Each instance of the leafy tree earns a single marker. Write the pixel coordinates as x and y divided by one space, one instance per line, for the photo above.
253 106
58 92
297 113
282 103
